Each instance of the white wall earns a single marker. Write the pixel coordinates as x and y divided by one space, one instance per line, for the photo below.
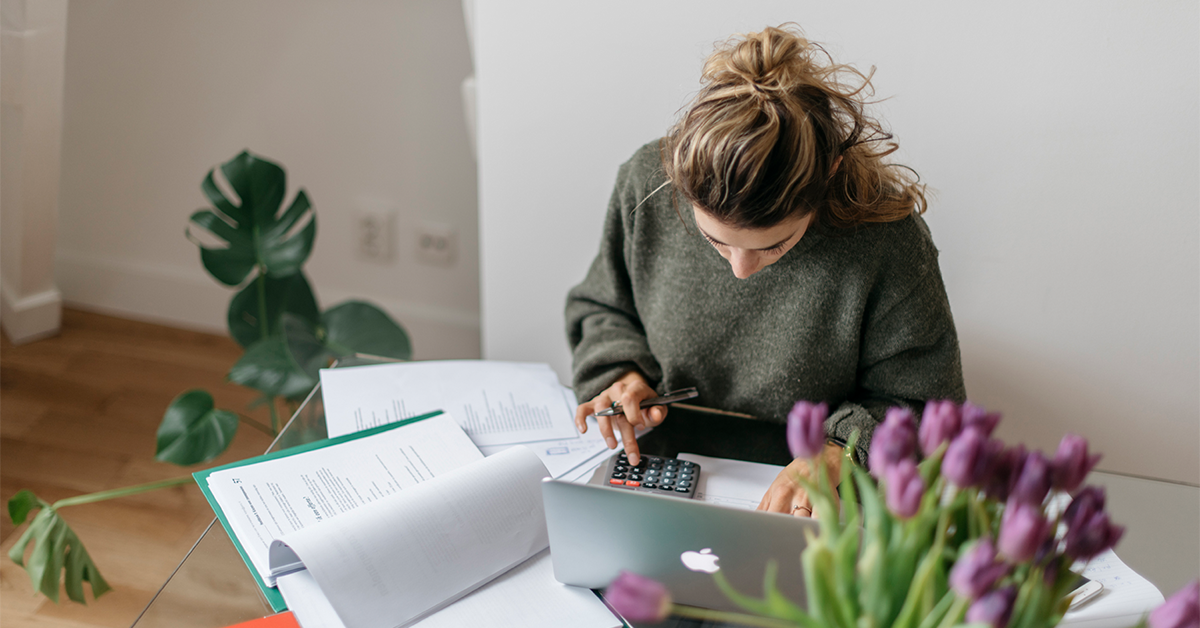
359 101
32 45
1061 138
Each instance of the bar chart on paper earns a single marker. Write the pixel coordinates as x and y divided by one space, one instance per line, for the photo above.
496 403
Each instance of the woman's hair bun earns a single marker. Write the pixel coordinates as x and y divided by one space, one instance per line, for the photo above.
772 60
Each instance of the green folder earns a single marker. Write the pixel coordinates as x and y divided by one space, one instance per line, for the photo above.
274 598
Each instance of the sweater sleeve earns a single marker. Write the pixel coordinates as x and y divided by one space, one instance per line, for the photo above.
603 328
909 355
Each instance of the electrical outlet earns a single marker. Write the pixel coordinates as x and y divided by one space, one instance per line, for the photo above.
373 233
437 243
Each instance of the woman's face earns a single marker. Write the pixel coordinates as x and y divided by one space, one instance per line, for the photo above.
751 250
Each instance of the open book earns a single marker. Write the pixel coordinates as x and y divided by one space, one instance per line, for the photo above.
388 526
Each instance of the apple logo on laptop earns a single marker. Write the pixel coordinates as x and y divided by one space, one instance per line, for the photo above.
703 561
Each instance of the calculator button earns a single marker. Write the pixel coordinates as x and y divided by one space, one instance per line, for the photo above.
619 476
687 463
685 475
620 468
649 485
668 474
635 476
665 487
666 482
617 482
652 472
656 464
683 490
684 484
632 483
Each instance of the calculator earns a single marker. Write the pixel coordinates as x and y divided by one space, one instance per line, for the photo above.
653 474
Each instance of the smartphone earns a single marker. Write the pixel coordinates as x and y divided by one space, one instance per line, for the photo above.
1085 591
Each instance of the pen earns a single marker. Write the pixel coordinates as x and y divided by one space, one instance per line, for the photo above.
682 394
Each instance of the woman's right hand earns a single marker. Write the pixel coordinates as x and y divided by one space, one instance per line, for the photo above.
629 391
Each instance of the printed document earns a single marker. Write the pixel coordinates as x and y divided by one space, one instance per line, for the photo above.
422 553
497 403
271 499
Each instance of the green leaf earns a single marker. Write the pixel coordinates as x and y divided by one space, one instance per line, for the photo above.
254 232
358 327
20 505
193 430
57 554
286 295
267 366
306 350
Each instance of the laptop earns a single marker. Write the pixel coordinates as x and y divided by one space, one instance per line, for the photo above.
596 532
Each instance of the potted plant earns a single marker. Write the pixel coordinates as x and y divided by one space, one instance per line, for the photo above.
274 316
973 532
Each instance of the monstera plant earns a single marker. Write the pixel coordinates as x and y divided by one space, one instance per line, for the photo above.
274 316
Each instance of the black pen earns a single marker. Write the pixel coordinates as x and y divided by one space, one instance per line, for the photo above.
682 394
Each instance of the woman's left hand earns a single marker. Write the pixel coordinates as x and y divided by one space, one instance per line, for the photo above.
787 495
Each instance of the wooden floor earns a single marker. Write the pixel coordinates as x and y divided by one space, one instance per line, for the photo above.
78 414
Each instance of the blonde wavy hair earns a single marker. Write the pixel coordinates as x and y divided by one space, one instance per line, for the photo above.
779 131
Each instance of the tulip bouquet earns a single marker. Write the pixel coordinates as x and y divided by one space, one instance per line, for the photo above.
947 525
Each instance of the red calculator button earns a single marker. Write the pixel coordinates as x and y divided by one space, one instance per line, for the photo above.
632 483
617 482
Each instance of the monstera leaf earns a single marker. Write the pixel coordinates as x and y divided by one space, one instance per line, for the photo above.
269 367
193 430
57 551
345 329
255 235
290 294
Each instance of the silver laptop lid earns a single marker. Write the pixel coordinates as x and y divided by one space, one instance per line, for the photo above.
595 532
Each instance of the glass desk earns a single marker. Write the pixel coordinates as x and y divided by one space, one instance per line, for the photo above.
212 587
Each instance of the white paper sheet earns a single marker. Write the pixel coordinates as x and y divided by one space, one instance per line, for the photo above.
733 483
1126 596
528 596
268 500
497 403
394 560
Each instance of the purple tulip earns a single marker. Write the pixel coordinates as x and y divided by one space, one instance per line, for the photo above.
1084 505
806 429
1072 463
968 459
994 608
1181 610
905 488
638 598
1089 531
1006 468
894 440
1023 528
941 422
1088 537
1033 484
978 418
976 570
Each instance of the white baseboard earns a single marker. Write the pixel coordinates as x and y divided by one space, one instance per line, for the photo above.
179 298
31 317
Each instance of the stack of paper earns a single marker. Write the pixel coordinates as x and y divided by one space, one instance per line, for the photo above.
498 404
397 524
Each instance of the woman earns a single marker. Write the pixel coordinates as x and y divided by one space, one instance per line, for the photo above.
764 252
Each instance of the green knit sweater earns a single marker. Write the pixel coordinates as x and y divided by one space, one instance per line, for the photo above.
857 318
